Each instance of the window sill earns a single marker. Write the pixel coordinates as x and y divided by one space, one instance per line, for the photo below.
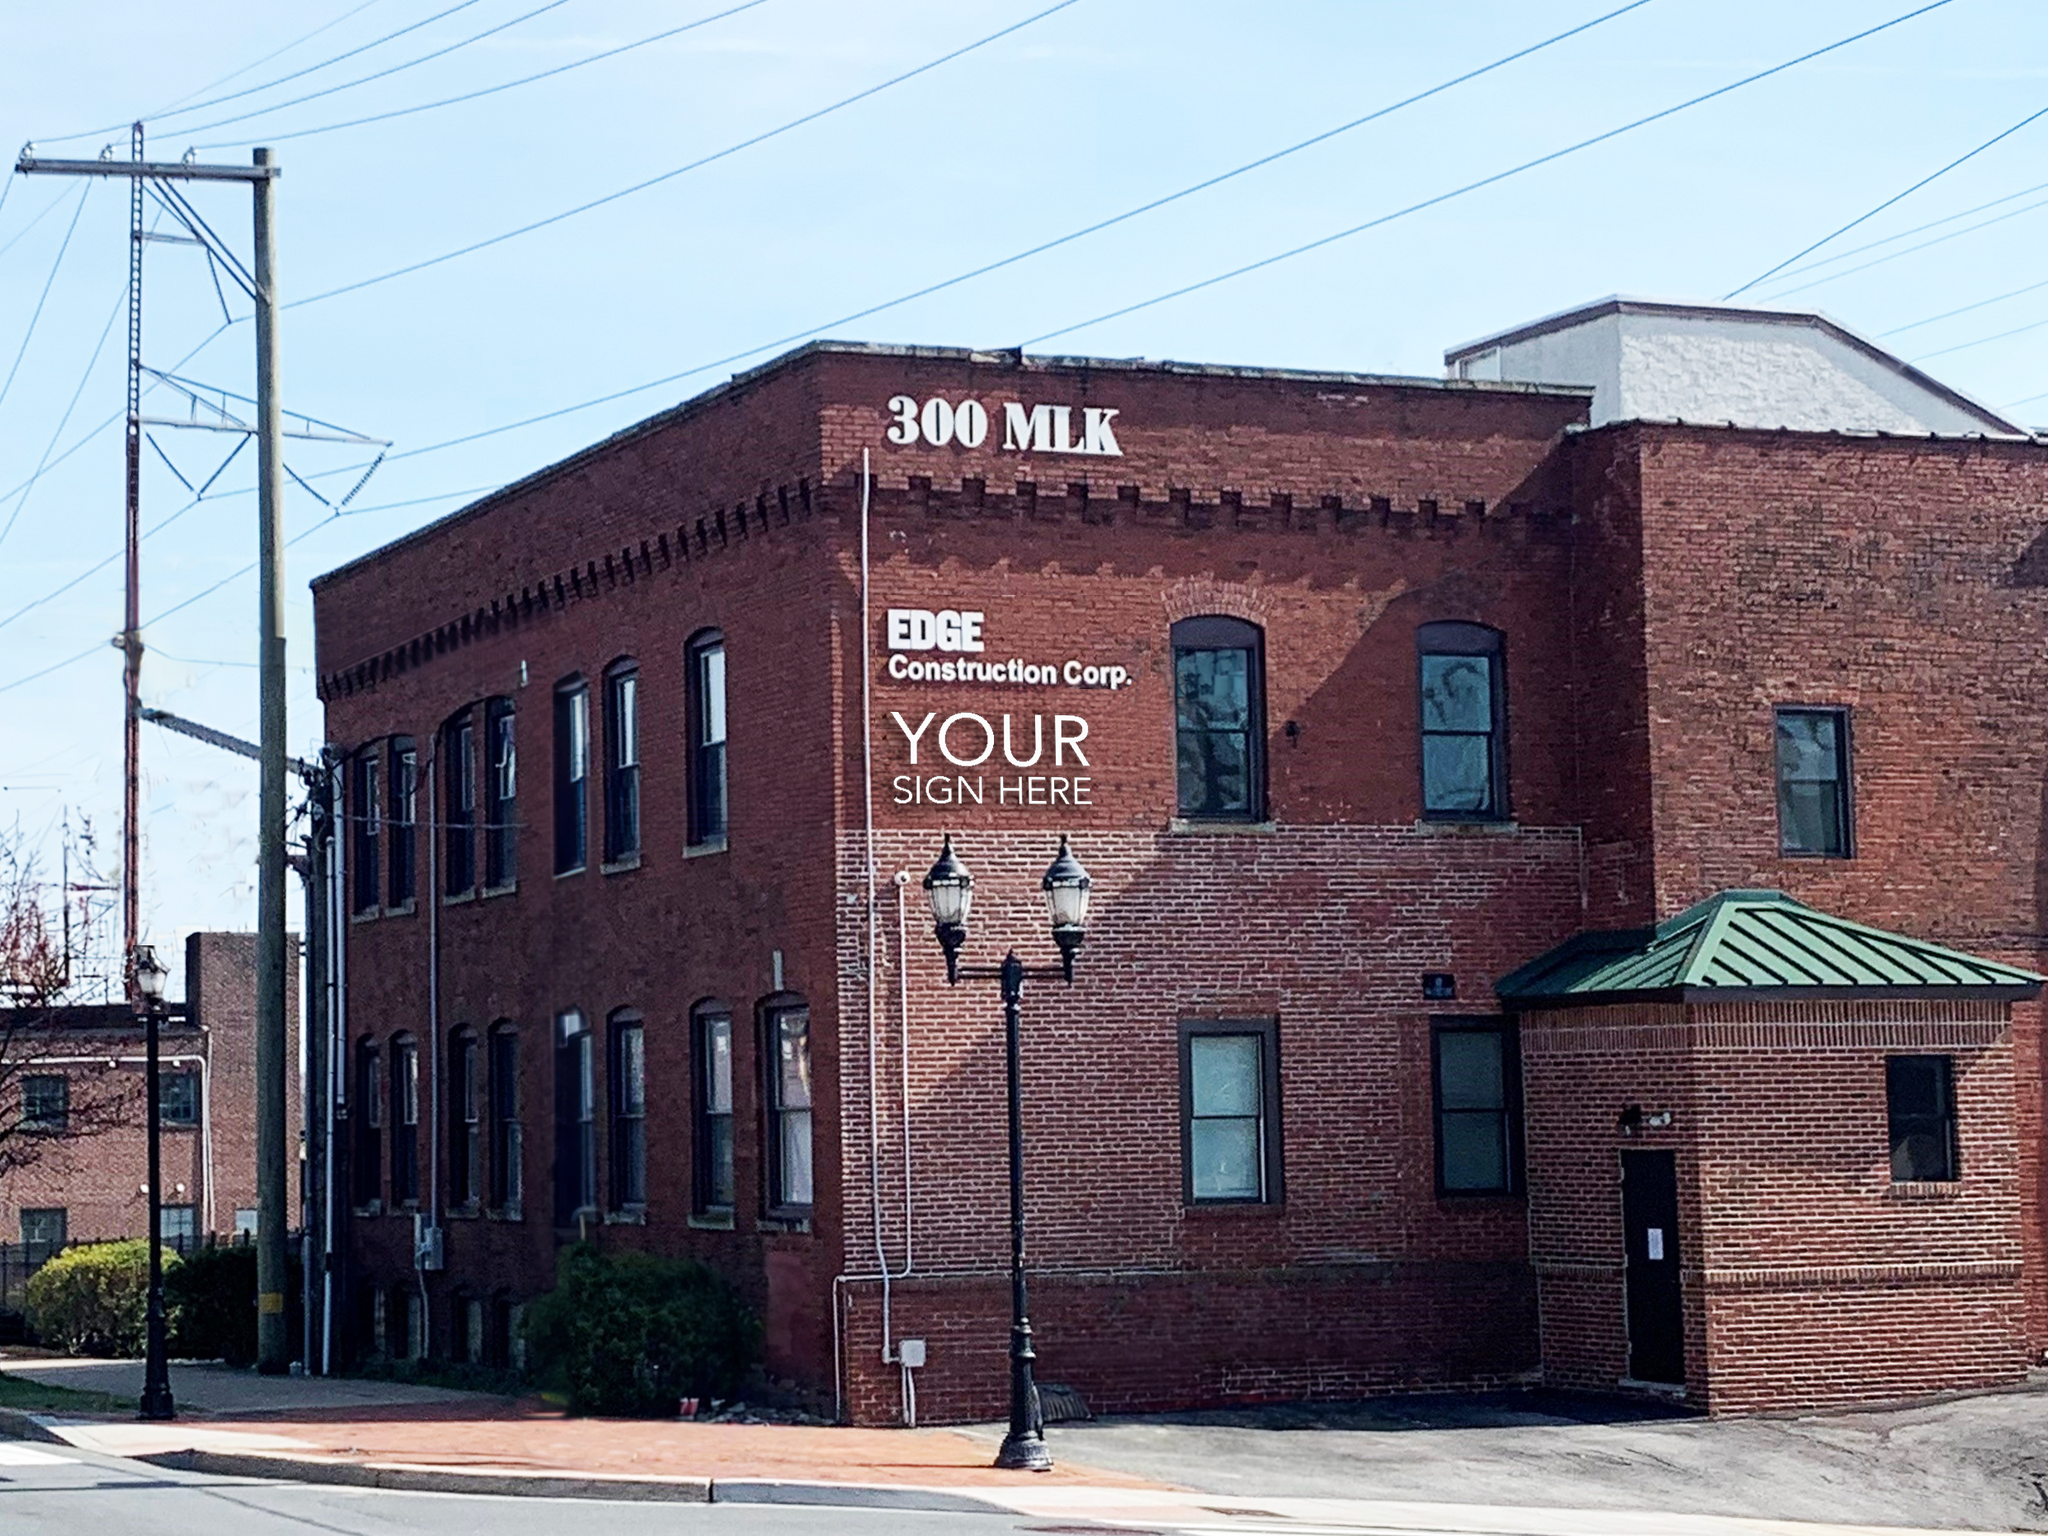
632 1216
509 888
705 849
458 898
1189 826
404 1208
1925 1189
1468 1199
1467 826
1806 857
711 1221
177 1125
505 1213
468 1212
371 1208
791 1221
367 915
403 909
570 874
1205 1209
620 866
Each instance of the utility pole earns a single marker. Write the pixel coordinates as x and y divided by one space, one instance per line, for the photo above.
131 627
273 1345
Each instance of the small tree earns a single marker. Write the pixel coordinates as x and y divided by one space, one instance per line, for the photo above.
37 967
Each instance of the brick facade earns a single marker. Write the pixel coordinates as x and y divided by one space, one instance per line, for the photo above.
1337 513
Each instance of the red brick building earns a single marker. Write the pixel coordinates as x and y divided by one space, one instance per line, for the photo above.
1355 695
74 1081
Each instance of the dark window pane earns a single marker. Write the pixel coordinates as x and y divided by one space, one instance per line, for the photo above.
1920 1105
1218 729
1469 1070
1477 1107
708 800
1812 782
178 1098
572 773
404 818
1474 1150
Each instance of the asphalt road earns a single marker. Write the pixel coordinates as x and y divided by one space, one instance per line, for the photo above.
58 1491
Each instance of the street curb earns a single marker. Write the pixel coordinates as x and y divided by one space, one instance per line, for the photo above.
853 1496
17 1425
406 1479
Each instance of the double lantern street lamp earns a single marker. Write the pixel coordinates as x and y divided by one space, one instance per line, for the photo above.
150 975
950 889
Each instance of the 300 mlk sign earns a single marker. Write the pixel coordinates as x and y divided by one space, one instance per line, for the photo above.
1026 428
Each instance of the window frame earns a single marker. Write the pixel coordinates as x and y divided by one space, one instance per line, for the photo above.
366 832
1507 1029
626 1121
501 794
708 1158
180 1120
458 803
46 1122
366 1149
1945 1116
622 828
710 816
188 1217
1464 637
402 1120
572 775
1272 1137
51 1246
402 784
505 1190
1844 781
465 1119
575 1130
1225 632
775 1193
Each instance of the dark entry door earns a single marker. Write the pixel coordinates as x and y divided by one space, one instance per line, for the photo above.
1649 1220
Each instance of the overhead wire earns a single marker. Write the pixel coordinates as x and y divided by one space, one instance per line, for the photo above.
1895 198
84 191
492 90
349 85
697 164
1907 234
1485 181
1966 309
1964 346
299 41
253 90
1911 250
48 208
1035 250
91 365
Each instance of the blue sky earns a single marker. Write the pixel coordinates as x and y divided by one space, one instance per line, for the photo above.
1079 115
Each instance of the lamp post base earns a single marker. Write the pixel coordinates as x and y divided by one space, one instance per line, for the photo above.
1024 1452
157 1404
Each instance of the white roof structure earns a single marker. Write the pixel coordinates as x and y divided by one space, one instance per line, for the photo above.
1715 364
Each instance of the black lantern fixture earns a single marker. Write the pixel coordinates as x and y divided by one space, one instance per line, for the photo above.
150 975
950 889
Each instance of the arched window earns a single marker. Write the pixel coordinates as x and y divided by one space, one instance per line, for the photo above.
405 1120
1219 691
501 796
705 675
575 1117
465 1119
626 1100
1463 698
711 1108
403 798
458 801
572 774
366 827
621 761
367 1119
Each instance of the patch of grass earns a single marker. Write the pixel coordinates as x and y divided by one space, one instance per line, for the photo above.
33 1397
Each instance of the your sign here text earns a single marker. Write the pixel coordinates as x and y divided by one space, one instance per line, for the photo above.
968 740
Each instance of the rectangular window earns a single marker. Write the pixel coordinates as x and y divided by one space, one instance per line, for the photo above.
44 1231
458 796
1463 722
622 765
1230 1111
789 1109
1813 782
367 1116
572 776
405 773
713 1109
1474 1065
575 1119
1219 720
465 1114
46 1104
405 1121
247 1218
507 1139
366 822
1920 1103
501 796
707 740
629 1115
177 1097
180 1227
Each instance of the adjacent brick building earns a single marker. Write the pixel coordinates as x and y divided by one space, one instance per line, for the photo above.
1355 695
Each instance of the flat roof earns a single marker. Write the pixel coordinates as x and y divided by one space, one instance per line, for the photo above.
1013 358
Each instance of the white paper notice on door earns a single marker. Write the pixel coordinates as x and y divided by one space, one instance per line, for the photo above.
1656 1242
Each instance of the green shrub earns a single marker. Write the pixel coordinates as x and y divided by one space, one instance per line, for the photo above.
212 1301
92 1300
630 1335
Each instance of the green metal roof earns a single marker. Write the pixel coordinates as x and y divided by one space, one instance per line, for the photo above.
1754 943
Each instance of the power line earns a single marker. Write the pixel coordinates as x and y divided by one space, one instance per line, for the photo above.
29 334
1907 234
492 90
21 234
1888 202
1878 261
931 288
92 363
259 63
1951 314
1484 181
1964 346
297 74
349 85
730 149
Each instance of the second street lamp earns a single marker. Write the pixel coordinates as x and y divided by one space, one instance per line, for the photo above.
950 889
156 1372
